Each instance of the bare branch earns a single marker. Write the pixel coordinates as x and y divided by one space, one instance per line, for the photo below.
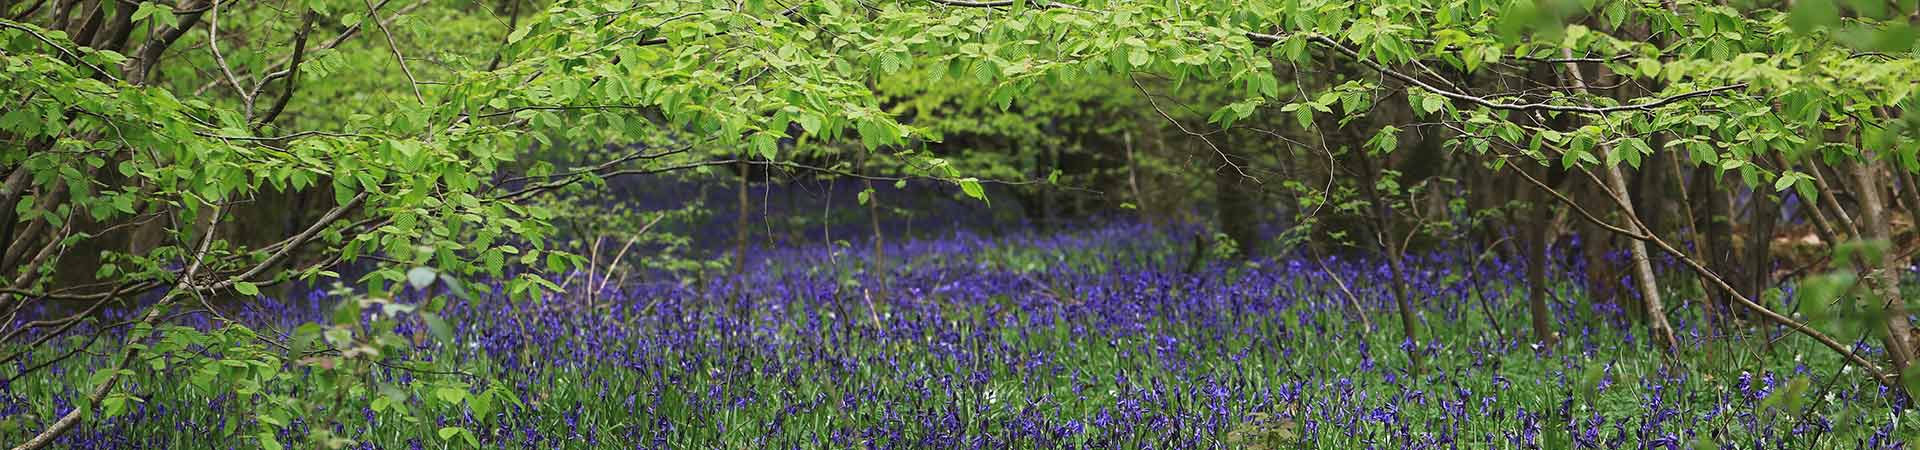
213 45
292 73
374 15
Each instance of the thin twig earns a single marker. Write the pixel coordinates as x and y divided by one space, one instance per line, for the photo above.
374 15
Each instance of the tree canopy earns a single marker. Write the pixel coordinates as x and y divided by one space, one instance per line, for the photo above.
202 148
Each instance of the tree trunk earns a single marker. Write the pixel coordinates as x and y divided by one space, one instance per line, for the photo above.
1829 196
1383 232
879 265
1538 242
1657 327
1709 311
11 191
1766 211
1235 211
740 241
1656 311
1650 183
1884 275
1719 249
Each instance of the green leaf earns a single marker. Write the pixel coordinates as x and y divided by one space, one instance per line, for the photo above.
268 442
421 277
348 312
115 405
1632 149
455 287
438 327
1809 15
1139 57
1003 97
808 122
145 9
1806 189
1433 103
768 147
450 395
1912 378
971 186
482 403
1648 67
161 14
246 288
1785 180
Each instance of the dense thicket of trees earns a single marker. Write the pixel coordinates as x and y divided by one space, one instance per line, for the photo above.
207 149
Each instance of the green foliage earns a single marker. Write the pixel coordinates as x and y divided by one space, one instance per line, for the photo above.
406 146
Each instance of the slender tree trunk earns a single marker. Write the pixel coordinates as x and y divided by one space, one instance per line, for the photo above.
1383 232
740 240
1719 229
1601 277
1910 193
1656 311
1649 183
1538 242
1766 211
1811 206
1133 177
11 191
879 241
1827 194
1235 208
91 23
117 29
1884 275
1709 310
1234 212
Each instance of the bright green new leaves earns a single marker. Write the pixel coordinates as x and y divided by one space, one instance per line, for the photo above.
1751 93
971 186
161 14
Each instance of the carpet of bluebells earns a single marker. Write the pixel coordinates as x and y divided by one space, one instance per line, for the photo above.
1095 337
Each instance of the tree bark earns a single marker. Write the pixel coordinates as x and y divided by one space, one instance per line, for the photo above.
1710 311
1657 326
740 240
1656 311
1719 230
1538 242
1234 210
1884 275
1759 255
11 191
1827 195
879 241
1383 232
